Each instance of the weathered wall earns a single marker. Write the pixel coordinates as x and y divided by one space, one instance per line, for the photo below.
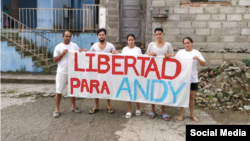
217 28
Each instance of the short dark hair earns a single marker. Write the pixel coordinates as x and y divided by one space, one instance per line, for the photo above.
100 30
188 38
159 29
65 32
131 35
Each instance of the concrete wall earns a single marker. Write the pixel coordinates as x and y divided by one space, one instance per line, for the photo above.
217 28
14 62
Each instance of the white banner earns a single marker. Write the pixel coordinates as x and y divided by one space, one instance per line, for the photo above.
141 78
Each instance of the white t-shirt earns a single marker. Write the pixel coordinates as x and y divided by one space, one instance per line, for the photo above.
63 63
128 51
183 54
160 51
108 49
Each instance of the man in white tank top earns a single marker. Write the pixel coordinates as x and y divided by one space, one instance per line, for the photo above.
106 47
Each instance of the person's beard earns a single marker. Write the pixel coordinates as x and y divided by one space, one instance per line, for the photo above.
102 40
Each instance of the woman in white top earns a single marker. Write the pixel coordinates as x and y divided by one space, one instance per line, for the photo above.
131 49
188 53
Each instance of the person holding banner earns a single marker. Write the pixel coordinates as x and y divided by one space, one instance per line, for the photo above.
160 48
188 53
131 49
61 58
106 47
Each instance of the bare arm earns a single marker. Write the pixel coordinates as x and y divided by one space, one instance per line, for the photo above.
202 63
58 58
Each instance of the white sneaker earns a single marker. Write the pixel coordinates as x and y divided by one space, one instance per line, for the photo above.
56 114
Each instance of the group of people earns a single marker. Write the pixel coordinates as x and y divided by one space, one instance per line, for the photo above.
157 48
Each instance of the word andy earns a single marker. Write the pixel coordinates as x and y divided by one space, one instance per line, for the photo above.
129 62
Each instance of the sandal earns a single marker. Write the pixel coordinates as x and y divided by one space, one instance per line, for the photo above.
76 110
128 115
138 112
165 116
151 114
92 111
110 111
193 118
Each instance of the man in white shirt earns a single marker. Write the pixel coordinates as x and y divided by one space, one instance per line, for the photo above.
106 47
61 58
160 48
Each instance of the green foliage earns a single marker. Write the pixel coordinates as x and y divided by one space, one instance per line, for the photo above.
246 61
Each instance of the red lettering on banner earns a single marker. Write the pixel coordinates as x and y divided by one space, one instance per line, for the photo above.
127 65
143 64
105 87
177 72
84 84
72 86
76 64
103 63
116 65
155 69
94 84
90 63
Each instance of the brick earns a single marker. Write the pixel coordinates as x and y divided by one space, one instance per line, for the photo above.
218 31
113 25
242 24
244 3
234 17
112 38
172 31
198 39
218 17
212 10
158 3
233 2
214 24
202 31
245 31
213 38
112 5
246 16
203 17
230 24
169 24
174 17
184 24
233 31
196 10
171 3
227 10
187 31
171 10
112 19
231 55
248 24
215 55
242 39
169 38
215 62
240 10
113 12
229 39
187 17
179 38
199 24
113 32
156 24
182 10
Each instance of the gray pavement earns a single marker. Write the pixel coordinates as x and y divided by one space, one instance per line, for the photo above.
30 118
